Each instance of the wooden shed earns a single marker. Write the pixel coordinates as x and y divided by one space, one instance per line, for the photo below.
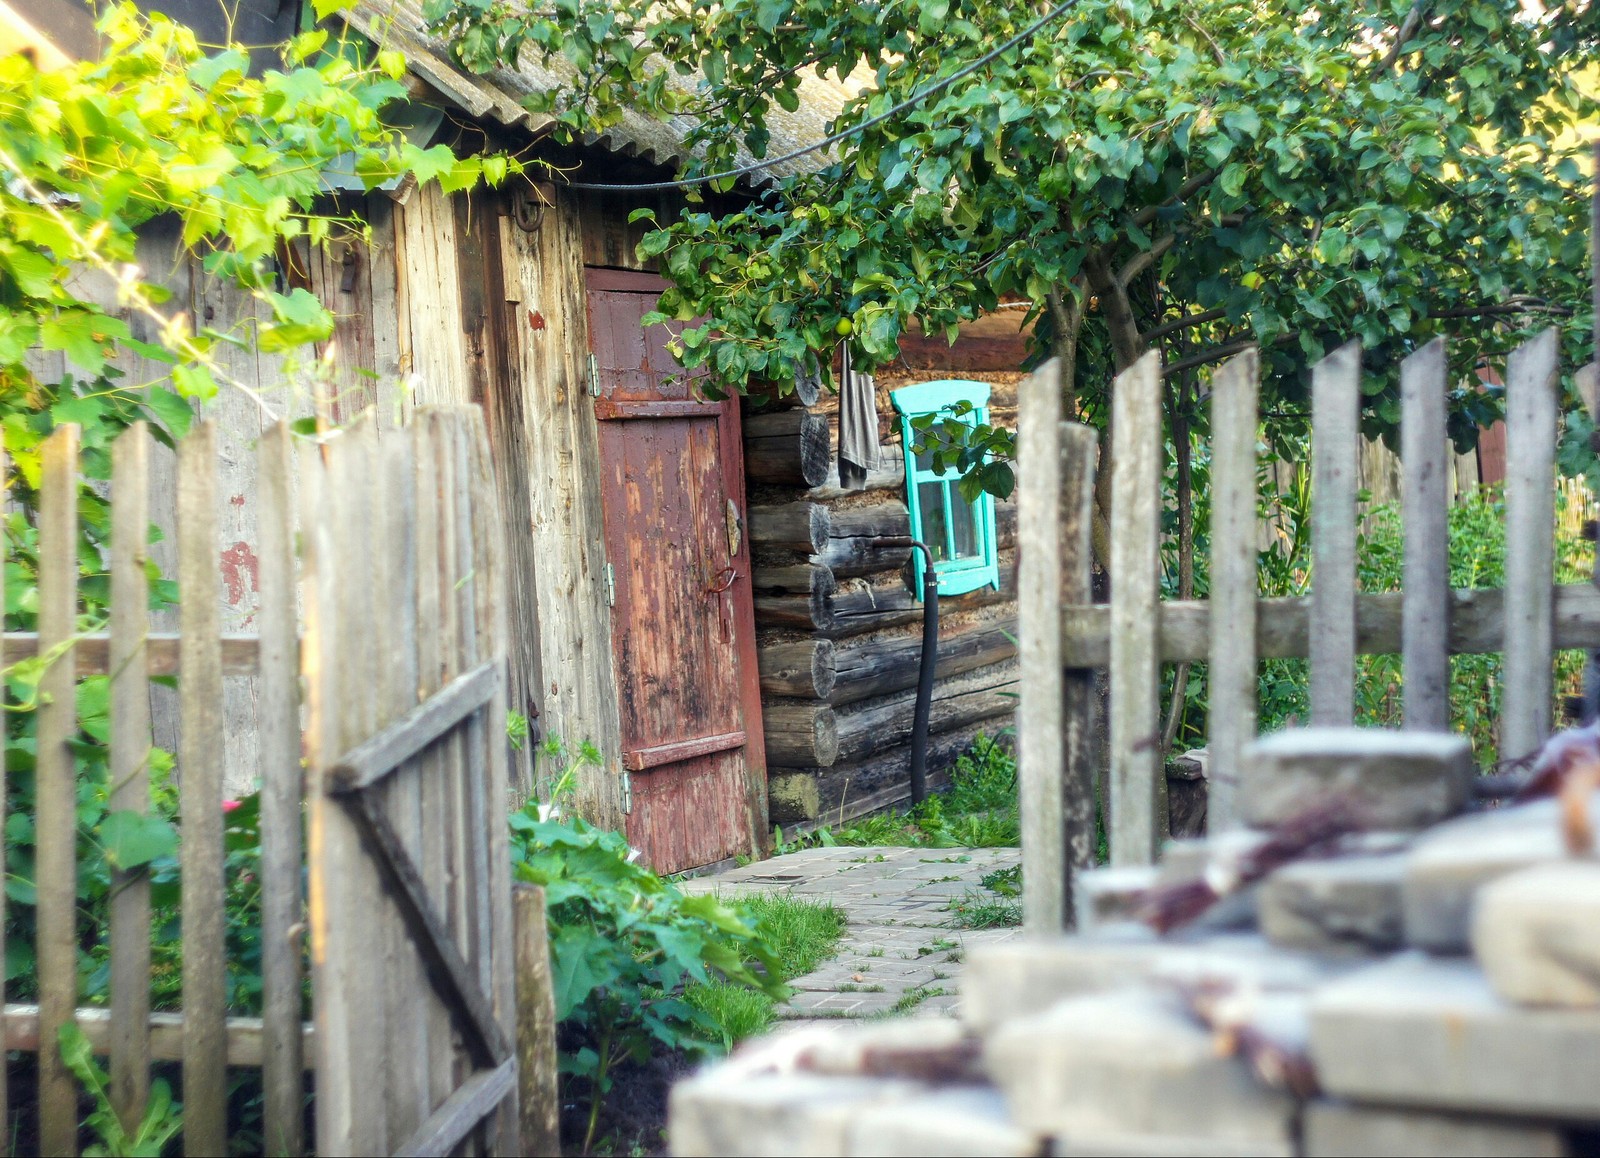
643 565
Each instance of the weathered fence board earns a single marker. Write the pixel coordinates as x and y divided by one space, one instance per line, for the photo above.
1532 410
1424 390
1335 416
1040 724
200 766
1135 665
56 797
282 790
130 772
1232 654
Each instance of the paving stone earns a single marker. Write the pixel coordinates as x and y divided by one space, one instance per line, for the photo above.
1105 895
1027 976
955 1122
1346 904
1415 1030
1448 865
1397 779
1340 1130
1133 1064
727 1111
1536 934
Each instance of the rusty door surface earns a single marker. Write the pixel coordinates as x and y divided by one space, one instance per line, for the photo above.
683 621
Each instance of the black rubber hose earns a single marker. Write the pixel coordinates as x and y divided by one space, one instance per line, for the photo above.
925 672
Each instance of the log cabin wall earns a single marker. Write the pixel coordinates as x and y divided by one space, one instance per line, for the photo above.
838 629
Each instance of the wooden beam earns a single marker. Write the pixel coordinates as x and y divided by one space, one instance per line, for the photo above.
1476 625
805 669
244 1034
240 653
787 448
802 527
372 760
474 1100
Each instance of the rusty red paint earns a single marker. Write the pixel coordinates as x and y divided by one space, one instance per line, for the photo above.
236 501
535 320
683 625
240 569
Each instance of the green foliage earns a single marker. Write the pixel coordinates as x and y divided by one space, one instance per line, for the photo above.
162 1119
1288 174
977 810
624 945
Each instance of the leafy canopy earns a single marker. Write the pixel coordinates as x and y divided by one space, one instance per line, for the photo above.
1198 174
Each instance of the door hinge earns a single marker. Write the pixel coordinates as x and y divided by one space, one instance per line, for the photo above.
611 585
594 376
627 792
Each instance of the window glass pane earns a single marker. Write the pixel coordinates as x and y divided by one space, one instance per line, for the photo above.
964 519
925 459
930 499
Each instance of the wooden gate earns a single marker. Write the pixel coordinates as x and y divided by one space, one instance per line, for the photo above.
409 888
409 913
683 620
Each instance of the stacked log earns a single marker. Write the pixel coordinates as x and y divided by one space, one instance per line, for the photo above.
837 622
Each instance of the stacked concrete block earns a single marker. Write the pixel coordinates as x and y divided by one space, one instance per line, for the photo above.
1428 986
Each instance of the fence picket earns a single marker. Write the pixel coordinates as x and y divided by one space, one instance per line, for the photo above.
1232 670
1335 437
5 510
1136 757
282 789
130 770
56 797
1425 630
200 765
1040 725
1532 410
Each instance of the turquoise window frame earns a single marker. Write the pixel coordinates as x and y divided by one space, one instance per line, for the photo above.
970 572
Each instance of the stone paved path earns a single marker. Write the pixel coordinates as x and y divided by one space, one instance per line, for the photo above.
900 953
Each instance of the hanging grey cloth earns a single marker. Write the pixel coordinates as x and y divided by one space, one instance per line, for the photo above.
858 425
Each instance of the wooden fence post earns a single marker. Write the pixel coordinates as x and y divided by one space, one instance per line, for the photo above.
1335 418
282 790
130 770
1232 670
1532 409
1136 756
1080 703
539 1083
205 1041
1039 720
1425 632
56 796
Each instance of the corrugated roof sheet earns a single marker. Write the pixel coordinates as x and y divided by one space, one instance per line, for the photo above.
499 94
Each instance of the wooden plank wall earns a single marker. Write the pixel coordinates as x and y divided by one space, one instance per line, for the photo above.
839 632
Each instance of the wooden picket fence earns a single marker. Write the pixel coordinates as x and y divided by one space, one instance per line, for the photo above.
402 885
1064 638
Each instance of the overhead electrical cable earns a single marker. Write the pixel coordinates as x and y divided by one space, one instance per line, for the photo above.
889 114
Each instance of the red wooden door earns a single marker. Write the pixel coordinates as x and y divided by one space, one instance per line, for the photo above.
683 620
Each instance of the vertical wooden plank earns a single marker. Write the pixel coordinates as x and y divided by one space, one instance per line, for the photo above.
5 558
329 833
1425 617
408 989
56 816
366 916
1136 756
539 1086
1532 408
1039 722
493 617
130 771
1335 415
430 598
1232 671
200 766
282 789
1080 701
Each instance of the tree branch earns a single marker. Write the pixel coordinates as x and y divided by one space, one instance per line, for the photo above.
1183 323
1408 29
1142 261
1185 191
